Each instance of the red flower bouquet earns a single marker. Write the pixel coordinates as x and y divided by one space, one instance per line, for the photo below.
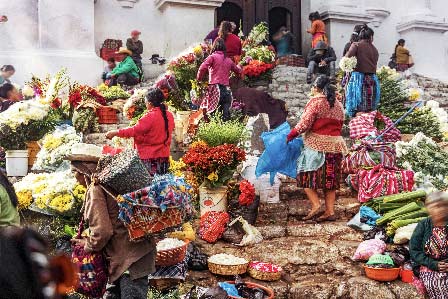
247 195
256 68
78 93
214 165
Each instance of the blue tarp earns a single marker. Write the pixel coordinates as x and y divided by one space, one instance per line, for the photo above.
278 155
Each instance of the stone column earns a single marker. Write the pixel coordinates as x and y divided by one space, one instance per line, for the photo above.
424 35
377 9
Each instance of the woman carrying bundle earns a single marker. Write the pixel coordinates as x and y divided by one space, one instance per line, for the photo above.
363 89
152 133
319 165
429 247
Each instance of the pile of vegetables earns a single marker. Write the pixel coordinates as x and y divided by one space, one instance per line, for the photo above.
399 210
111 93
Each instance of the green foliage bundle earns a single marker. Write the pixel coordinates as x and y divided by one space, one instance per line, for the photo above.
218 132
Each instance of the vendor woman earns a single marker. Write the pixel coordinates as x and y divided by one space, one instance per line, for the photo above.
319 164
129 263
363 89
429 247
152 133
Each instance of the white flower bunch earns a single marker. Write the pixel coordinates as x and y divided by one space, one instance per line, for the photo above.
226 259
441 114
348 64
22 113
27 91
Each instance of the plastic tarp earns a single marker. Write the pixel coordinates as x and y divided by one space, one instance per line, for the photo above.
278 155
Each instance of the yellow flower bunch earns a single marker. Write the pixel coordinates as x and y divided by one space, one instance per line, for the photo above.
198 143
177 167
50 142
414 94
25 198
41 201
197 51
39 188
79 192
213 177
62 202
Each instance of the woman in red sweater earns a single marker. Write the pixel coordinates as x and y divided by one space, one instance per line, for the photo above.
319 164
232 41
152 133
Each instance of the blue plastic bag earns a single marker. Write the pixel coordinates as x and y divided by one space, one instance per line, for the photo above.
278 155
369 214
230 289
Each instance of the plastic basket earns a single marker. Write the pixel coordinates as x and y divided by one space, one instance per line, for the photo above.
382 274
407 275
107 115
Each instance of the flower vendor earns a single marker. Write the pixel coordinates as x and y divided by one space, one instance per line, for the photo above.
318 166
126 72
8 96
403 56
6 72
363 89
283 41
135 45
219 67
152 133
322 59
232 41
429 247
130 263
8 203
317 29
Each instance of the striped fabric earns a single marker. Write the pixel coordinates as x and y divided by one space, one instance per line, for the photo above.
327 177
436 284
366 156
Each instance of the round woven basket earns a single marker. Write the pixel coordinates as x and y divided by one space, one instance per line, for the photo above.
171 256
227 270
265 276
381 274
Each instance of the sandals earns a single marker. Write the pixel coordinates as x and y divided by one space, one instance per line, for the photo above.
312 214
326 218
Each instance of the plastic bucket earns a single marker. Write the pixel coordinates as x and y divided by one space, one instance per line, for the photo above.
213 199
407 275
17 163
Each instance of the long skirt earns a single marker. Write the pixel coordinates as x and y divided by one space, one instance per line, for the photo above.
327 177
362 93
436 284
157 165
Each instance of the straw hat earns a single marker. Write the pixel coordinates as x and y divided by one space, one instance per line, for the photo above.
124 50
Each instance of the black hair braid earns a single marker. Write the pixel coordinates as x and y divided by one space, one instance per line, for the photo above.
165 118
9 189
155 97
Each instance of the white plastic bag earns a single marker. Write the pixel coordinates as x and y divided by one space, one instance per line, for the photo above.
404 234
252 236
356 223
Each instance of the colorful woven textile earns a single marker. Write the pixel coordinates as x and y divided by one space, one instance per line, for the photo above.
326 177
211 99
380 181
368 155
157 165
363 126
437 244
362 94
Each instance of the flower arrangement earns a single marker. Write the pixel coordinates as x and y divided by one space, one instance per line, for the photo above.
260 53
56 147
54 87
257 35
111 93
86 121
348 64
213 165
177 168
218 132
54 193
23 122
247 193
79 93
423 156
257 68
135 106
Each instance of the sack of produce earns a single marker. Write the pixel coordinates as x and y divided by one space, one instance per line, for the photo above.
365 125
404 234
368 248
213 225
123 172
356 223
380 181
400 255
381 260
368 155
234 233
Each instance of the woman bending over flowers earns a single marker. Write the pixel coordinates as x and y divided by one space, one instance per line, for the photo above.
152 133
318 166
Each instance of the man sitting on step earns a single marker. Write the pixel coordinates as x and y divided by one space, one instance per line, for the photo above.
322 60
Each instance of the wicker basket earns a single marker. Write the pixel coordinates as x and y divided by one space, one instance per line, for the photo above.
107 115
171 256
33 149
152 220
381 274
227 270
251 285
265 276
